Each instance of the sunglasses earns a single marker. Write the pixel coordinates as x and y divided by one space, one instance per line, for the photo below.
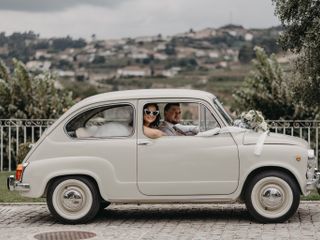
150 113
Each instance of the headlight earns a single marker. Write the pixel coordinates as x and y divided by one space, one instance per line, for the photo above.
311 159
310 153
311 164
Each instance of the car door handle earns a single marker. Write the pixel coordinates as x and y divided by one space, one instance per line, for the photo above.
143 142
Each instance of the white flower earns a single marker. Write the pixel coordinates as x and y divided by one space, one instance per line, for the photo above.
248 116
264 126
252 120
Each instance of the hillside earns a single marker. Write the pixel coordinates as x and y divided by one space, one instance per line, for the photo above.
216 60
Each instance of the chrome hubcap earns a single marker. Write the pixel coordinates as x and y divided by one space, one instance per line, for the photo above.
271 198
72 199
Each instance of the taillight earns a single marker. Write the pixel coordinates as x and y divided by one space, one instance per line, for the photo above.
19 171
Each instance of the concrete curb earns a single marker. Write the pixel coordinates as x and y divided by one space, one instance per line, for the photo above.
44 203
23 203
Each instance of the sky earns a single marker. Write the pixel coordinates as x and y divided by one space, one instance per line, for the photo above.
109 19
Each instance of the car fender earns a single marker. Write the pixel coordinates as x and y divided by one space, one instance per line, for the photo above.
280 167
39 173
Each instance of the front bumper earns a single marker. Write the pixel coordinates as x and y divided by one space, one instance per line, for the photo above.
313 174
14 185
314 183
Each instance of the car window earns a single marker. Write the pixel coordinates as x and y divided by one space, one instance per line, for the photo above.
103 122
207 120
182 118
223 112
196 114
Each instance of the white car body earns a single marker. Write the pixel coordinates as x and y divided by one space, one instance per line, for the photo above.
168 169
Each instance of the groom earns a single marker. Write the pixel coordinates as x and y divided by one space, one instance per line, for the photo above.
172 117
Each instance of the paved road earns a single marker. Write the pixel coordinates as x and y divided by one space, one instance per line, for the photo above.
176 221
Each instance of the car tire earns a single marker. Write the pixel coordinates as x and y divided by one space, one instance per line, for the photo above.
73 200
103 205
272 197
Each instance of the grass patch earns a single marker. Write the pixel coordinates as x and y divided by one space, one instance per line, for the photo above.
12 197
313 196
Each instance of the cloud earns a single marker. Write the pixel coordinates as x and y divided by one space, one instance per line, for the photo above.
124 18
53 5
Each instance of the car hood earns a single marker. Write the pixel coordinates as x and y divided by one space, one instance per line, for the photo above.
251 137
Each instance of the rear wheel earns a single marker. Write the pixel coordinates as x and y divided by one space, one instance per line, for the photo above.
272 197
73 199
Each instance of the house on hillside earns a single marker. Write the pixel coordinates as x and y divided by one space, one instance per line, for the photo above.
204 33
134 71
106 53
38 65
82 58
42 54
185 52
200 53
147 39
214 54
139 55
233 30
160 56
66 74
248 37
160 47
4 50
96 78
110 43
90 48
168 73
65 57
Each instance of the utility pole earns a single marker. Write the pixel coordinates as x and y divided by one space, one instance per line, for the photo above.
230 18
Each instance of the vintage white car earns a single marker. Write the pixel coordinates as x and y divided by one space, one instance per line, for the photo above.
97 153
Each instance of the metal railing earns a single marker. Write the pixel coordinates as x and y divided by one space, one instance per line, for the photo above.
306 129
14 132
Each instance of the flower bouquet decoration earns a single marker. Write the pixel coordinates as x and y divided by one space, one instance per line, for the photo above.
252 120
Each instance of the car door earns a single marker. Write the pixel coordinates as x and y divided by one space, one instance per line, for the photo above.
187 165
107 131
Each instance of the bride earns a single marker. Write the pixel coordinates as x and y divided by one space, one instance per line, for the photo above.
151 121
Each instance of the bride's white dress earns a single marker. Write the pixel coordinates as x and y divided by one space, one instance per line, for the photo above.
112 129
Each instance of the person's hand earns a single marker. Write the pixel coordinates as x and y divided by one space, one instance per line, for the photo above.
209 133
187 128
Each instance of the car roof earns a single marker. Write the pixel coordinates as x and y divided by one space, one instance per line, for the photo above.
133 94
146 94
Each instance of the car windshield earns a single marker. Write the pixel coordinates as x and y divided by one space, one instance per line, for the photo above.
223 112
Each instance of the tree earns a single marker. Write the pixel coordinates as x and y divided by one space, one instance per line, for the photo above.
25 96
301 22
60 44
170 49
246 53
99 60
267 89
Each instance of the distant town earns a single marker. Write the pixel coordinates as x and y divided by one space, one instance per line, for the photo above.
190 60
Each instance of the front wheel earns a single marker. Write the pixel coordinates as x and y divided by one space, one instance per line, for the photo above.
103 205
73 199
272 197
